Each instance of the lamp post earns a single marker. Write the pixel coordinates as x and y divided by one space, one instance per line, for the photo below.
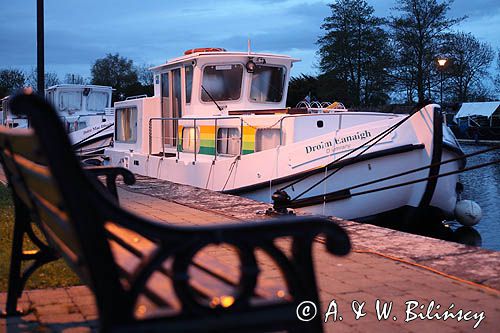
441 62
40 62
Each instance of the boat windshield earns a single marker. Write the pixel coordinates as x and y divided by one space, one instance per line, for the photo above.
70 101
223 82
267 84
97 101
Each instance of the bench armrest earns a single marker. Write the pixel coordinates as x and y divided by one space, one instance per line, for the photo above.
257 233
181 244
111 173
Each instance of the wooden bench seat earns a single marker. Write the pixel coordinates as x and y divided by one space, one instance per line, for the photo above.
146 275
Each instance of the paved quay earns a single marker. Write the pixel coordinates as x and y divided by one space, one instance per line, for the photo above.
384 265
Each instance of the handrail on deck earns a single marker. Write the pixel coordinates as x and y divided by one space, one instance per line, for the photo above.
215 120
195 120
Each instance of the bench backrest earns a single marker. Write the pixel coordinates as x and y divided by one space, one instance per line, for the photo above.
46 178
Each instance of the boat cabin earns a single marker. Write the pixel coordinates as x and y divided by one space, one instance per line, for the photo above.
77 103
191 91
211 81
212 103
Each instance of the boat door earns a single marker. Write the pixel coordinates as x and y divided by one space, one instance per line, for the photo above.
176 101
167 132
171 86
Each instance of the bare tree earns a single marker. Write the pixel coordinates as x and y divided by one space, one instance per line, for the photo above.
144 74
418 31
10 80
497 77
51 79
74 79
471 60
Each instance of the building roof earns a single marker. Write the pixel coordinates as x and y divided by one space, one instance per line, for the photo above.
485 109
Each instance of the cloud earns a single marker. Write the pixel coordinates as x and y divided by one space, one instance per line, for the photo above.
78 32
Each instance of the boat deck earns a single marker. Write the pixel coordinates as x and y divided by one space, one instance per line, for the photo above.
386 265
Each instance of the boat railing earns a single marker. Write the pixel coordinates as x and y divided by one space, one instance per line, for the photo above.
164 121
136 97
313 104
109 111
159 124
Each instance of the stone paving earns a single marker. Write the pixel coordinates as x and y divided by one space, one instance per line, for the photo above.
354 279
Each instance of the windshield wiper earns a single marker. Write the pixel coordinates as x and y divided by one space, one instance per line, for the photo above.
210 96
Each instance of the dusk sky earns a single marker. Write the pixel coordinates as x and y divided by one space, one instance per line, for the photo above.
149 32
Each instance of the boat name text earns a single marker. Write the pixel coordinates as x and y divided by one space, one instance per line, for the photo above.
340 140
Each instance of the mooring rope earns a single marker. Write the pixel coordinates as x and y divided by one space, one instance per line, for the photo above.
370 144
327 198
423 168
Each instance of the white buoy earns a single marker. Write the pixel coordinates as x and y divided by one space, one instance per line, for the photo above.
468 212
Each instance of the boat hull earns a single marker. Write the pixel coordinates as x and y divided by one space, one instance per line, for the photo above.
349 205
300 167
94 139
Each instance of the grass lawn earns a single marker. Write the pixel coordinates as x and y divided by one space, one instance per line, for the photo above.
54 274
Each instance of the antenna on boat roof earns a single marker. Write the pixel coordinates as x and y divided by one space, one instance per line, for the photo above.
248 47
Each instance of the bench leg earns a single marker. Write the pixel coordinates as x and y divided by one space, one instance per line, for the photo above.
17 279
302 253
15 282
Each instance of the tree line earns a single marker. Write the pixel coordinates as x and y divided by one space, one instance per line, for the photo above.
367 61
112 70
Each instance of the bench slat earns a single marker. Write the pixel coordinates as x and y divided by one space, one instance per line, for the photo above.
23 142
56 220
38 179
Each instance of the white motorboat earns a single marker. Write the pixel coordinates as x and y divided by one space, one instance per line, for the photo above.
218 120
85 111
87 115
8 119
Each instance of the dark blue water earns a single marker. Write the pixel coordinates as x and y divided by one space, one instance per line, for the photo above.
483 186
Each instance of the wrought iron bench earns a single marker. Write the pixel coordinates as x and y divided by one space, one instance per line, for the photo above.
146 275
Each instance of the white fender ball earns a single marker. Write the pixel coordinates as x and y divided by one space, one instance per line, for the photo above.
468 212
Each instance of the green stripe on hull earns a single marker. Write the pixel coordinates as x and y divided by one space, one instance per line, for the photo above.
207 150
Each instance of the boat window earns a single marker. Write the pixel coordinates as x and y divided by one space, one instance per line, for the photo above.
70 100
228 141
188 139
97 101
223 82
164 85
126 125
76 126
189 82
267 139
267 84
176 93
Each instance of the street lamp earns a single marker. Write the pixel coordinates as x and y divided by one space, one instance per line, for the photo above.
441 62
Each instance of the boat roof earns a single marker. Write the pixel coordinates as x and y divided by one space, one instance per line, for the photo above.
222 54
478 109
83 86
